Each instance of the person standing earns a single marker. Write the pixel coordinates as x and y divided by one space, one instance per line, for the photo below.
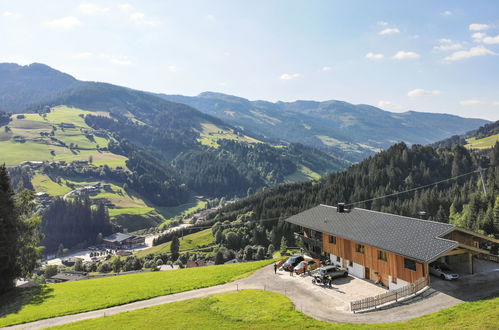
275 268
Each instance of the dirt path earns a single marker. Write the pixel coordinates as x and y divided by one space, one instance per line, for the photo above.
315 303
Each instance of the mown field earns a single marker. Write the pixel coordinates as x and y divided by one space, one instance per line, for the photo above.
211 134
485 143
187 242
25 139
257 309
184 209
30 304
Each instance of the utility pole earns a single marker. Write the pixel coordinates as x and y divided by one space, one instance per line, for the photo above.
483 182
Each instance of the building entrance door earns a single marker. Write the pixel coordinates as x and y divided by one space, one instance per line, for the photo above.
368 275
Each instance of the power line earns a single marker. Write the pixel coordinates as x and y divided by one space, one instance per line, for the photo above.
415 189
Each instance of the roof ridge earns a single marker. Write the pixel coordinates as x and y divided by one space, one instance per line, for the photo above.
397 215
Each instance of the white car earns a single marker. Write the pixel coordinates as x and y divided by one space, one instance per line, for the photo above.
441 270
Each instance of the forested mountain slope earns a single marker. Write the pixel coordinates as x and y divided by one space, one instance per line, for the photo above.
461 201
353 131
484 137
151 152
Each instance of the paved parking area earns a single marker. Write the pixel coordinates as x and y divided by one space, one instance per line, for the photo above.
342 292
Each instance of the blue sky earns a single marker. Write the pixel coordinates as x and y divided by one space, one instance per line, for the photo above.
433 56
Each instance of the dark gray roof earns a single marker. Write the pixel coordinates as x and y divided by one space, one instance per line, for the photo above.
409 237
118 237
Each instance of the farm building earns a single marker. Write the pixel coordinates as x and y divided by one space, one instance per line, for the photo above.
120 241
388 249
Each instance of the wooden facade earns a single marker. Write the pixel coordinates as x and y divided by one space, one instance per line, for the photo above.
376 269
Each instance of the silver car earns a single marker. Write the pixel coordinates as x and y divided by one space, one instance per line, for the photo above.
441 270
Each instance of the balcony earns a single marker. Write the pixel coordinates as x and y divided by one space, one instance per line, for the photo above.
309 241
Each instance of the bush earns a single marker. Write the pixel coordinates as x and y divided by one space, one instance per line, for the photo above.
50 271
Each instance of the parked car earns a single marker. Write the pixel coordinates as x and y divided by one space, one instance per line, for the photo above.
443 271
313 264
290 264
323 273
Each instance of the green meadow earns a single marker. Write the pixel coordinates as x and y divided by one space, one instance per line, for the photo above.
257 309
30 304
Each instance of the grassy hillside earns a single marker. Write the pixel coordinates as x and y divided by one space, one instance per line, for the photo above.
30 304
40 137
255 309
188 242
483 143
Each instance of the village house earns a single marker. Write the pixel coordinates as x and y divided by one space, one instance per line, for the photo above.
388 249
67 276
121 241
67 125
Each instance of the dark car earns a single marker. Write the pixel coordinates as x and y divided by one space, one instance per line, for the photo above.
290 264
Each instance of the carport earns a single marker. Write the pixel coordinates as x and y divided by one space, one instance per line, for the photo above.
470 245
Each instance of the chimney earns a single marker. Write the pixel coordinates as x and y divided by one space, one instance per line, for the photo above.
341 208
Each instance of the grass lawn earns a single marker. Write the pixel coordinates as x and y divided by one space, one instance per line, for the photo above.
485 143
41 182
38 147
30 304
257 309
211 133
188 242
184 209
303 173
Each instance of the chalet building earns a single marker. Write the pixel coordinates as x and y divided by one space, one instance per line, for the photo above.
388 249
121 241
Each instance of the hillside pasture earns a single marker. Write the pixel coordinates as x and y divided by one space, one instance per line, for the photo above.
484 143
257 309
23 305
187 242
210 134
41 137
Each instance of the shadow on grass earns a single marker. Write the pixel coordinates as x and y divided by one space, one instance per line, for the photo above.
14 300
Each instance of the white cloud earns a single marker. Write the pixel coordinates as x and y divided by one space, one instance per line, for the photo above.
374 56
389 31
125 6
173 68
472 52
495 103
327 68
448 46
92 9
10 14
140 19
444 41
478 36
388 105
211 18
382 23
423 92
83 55
117 59
289 76
447 13
471 102
67 22
491 40
120 61
402 55
478 27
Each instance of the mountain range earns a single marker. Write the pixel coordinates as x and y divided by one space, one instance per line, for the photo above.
353 131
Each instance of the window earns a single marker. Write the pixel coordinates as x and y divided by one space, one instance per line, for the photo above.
338 259
350 263
394 280
382 255
332 239
360 248
410 264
